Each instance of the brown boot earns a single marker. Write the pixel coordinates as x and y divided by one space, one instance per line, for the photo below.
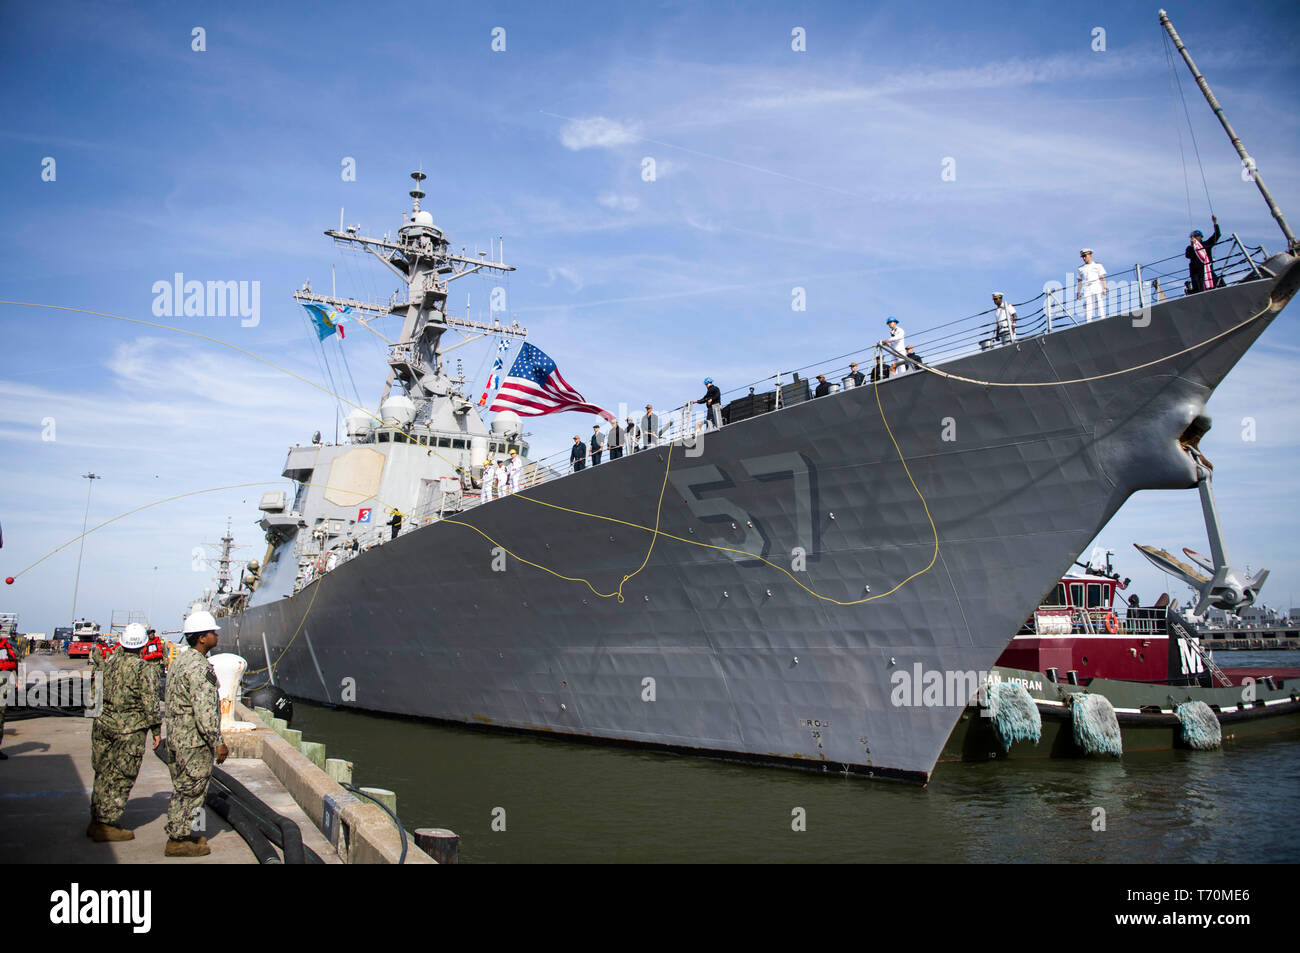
185 848
104 833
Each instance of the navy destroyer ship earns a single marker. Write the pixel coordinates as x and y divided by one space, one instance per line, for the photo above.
755 593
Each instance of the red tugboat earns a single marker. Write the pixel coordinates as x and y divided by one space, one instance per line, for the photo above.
1079 633
1083 676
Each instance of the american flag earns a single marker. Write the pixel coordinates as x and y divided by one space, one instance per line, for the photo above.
535 387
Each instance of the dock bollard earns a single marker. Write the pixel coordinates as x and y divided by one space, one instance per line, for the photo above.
383 795
293 736
439 843
339 770
315 752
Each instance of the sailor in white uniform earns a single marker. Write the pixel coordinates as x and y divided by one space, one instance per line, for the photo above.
486 482
516 472
896 340
502 477
1006 319
1091 284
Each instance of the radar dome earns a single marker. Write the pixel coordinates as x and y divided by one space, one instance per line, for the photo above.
359 424
506 423
422 218
397 411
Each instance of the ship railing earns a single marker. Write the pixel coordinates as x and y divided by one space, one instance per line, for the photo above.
1145 620
1053 309
402 352
1058 307
678 427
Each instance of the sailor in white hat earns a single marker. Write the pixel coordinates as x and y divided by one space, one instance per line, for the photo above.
1005 313
193 726
130 710
1091 285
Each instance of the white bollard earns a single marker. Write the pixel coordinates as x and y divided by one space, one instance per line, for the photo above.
230 672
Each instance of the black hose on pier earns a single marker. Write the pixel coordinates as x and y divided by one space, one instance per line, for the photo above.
282 831
245 825
400 829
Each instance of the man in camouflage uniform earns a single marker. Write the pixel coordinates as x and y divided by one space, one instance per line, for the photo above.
130 710
193 734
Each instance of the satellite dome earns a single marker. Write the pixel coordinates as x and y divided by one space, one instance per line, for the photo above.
397 411
359 423
422 218
505 423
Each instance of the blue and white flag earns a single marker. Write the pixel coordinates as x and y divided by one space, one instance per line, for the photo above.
327 320
494 378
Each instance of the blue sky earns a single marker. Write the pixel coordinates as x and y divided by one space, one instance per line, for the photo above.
775 169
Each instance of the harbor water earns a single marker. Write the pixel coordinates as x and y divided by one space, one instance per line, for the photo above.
562 801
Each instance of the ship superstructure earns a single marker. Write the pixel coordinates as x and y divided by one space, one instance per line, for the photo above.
422 453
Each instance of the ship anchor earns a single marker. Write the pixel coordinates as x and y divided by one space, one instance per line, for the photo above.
1225 587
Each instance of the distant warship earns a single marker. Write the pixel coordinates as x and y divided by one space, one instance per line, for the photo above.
755 595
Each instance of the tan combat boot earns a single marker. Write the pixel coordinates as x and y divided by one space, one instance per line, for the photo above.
102 833
185 848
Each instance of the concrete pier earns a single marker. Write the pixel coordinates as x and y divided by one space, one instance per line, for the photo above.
45 801
45 788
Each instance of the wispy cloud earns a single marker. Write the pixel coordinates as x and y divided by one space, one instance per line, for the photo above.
596 132
567 275
1001 74
619 201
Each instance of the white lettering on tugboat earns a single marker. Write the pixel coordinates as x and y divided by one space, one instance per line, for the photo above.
919 687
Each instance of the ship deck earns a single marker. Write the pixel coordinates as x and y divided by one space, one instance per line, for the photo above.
1279 675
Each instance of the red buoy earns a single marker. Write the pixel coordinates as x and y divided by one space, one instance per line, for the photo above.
9 580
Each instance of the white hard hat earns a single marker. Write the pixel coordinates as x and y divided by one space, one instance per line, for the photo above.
200 621
135 636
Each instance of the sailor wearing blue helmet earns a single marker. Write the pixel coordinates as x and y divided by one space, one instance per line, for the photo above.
896 336
712 401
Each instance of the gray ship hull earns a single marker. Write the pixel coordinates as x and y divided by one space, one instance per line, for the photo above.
719 654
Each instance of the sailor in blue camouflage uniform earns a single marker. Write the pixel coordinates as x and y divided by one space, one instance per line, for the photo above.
193 724
130 709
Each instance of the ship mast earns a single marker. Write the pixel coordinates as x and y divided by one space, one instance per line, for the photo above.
422 258
223 563
1293 245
